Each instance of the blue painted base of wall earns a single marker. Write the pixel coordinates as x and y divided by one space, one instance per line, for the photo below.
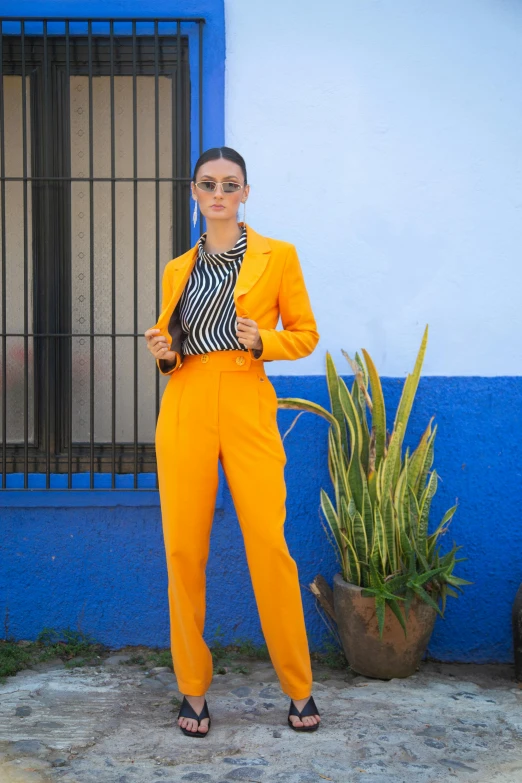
101 568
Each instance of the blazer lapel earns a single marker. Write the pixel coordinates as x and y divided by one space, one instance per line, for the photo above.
252 267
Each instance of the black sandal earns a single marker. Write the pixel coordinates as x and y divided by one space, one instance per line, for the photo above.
187 711
309 709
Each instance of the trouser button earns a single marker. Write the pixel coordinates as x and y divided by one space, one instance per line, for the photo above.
240 360
204 358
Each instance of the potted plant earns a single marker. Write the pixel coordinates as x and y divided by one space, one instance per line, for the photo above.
386 597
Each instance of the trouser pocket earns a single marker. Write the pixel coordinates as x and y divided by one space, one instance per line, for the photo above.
267 400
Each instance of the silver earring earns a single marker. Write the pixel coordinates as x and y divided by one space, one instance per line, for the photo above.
195 213
244 212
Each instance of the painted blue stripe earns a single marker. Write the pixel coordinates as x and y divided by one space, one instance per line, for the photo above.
107 565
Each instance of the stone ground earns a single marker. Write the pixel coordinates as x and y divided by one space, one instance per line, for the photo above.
116 723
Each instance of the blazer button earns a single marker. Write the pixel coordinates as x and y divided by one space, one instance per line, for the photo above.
204 358
240 360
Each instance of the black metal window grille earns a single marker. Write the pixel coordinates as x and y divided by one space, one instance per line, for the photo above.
94 200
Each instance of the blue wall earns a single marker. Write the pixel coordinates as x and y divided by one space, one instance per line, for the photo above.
102 568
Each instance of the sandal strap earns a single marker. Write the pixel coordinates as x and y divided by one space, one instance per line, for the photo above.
310 708
187 711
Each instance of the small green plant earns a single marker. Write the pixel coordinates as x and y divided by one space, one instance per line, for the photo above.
333 657
66 645
382 498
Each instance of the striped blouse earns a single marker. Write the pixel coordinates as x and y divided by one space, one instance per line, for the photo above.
207 309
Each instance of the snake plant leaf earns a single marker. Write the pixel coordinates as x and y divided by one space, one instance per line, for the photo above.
371 482
360 407
350 414
410 386
409 391
421 460
367 514
394 452
428 462
352 564
388 518
355 471
361 399
414 509
378 409
371 454
425 506
418 456
401 500
361 376
347 519
360 540
296 403
341 484
363 370
332 379
380 538
332 519
375 577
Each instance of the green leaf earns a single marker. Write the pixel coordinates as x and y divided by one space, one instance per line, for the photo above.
418 460
380 608
353 569
332 519
355 474
406 402
426 597
332 380
296 403
424 509
378 409
394 606
359 537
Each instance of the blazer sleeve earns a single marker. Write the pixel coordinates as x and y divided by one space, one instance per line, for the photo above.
299 335
166 292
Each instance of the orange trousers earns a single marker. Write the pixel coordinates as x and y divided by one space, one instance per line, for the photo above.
222 406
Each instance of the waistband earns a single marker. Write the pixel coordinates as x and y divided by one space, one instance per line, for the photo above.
234 360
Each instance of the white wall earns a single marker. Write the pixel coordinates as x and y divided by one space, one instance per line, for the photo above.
384 139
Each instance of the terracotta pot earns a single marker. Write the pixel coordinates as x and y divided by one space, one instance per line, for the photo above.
396 655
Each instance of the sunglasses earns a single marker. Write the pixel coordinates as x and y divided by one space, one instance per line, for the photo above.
208 186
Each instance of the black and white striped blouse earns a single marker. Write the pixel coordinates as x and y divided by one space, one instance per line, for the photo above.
207 309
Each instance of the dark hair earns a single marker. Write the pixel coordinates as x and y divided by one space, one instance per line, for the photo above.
214 153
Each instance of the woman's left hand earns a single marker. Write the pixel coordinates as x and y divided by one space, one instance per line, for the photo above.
248 333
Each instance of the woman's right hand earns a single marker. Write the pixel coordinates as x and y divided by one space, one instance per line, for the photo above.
159 347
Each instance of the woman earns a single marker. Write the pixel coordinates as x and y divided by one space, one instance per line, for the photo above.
221 304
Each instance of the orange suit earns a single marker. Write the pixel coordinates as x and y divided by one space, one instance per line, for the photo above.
222 406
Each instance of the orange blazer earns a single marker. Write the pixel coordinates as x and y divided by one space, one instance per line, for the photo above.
270 283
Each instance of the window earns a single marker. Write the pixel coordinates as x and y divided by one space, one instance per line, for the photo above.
94 200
